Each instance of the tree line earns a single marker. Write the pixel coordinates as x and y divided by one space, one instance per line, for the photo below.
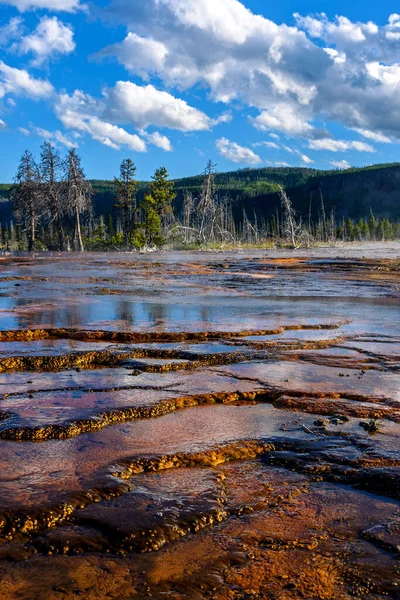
53 206
53 209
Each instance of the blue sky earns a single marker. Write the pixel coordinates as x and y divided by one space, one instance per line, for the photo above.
174 82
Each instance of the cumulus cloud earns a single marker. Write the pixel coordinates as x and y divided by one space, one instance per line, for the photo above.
57 136
145 106
126 104
10 31
321 70
340 164
24 131
283 118
139 55
20 83
53 5
339 145
51 37
235 153
161 141
78 112
3 125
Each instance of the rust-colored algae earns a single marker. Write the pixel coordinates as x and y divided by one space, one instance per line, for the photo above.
213 426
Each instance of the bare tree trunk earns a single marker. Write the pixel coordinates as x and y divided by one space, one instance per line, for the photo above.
32 233
78 230
61 232
290 224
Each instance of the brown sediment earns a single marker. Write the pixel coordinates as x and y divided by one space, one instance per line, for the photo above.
313 403
117 483
104 419
273 553
148 337
104 358
343 407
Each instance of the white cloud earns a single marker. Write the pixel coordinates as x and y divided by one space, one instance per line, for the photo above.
304 158
57 136
10 31
24 131
322 70
339 145
279 163
19 82
3 125
288 149
161 141
274 136
138 54
283 118
236 153
80 111
50 37
53 5
375 136
128 103
145 106
227 20
340 164
267 144
341 31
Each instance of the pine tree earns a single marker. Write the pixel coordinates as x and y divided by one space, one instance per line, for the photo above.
162 192
349 225
126 197
387 230
365 231
373 226
151 227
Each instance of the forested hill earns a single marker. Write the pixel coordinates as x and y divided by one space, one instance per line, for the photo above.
351 193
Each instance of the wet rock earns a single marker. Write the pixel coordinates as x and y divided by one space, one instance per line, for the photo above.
386 536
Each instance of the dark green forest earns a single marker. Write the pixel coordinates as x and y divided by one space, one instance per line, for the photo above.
351 193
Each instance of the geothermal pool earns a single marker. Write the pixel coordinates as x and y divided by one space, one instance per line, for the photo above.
200 425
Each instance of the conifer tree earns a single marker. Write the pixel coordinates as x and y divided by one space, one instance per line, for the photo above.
157 205
151 227
387 230
373 226
162 192
127 187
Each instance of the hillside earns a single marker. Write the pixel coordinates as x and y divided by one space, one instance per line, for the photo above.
349 193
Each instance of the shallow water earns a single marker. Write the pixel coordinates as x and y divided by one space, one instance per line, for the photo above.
196 425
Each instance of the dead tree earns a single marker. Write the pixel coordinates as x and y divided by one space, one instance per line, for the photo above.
53 191
292 230
206 205
26 196
79 193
